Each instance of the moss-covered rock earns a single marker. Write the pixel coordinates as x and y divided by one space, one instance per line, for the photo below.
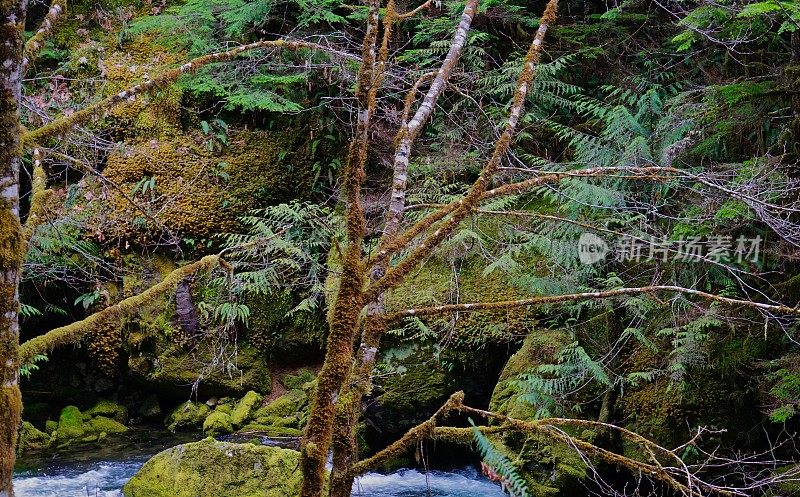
173 371
70 424
101 424
108 409
298 380
218 469
187 416
30 438
217 423
244 408
287 404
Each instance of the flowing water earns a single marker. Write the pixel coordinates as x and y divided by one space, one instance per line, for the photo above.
103 471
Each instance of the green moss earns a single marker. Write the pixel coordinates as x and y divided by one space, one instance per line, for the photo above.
217 423
297 380
287 404
538 348
272 430
102 424
244 408
218 469
188 416
31 438
108 409
174 370
70 424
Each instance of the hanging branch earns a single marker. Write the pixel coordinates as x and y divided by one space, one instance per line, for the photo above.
73 332
35 44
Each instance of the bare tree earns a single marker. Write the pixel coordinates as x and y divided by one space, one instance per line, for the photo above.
358 314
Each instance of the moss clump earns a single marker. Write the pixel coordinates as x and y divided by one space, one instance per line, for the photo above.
287 404
102 425
108 409
30 438
217 423
187 416
218 469
70 424
244 408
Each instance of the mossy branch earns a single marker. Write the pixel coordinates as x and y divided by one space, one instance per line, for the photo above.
574 297
64 124
420 432
653 173
464 206
39 196
73 332
35 44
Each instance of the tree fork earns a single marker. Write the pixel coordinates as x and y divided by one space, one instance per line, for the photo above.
348 412
349 298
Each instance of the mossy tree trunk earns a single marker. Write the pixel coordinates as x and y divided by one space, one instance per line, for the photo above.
12 245
345 317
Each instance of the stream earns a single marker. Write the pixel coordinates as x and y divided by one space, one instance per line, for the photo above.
103 470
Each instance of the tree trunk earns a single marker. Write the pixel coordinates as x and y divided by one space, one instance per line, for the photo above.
12 243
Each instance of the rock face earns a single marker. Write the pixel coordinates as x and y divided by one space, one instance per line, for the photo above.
218 469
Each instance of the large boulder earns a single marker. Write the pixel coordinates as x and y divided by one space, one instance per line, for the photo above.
218 469
173 371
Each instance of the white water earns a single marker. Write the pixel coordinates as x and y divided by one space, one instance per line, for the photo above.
105 479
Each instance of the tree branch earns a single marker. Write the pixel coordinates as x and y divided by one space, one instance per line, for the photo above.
37 41
462 208
412 436
573 297
62 125
129 306
39 196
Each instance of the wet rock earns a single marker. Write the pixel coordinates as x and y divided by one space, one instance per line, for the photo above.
218 469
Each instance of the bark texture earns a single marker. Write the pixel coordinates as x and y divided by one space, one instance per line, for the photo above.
12 242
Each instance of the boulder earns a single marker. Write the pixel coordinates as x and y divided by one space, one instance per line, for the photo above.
30 438
244 408
108 409
287 404
172 371
187 416
70 424
217 423
218 469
